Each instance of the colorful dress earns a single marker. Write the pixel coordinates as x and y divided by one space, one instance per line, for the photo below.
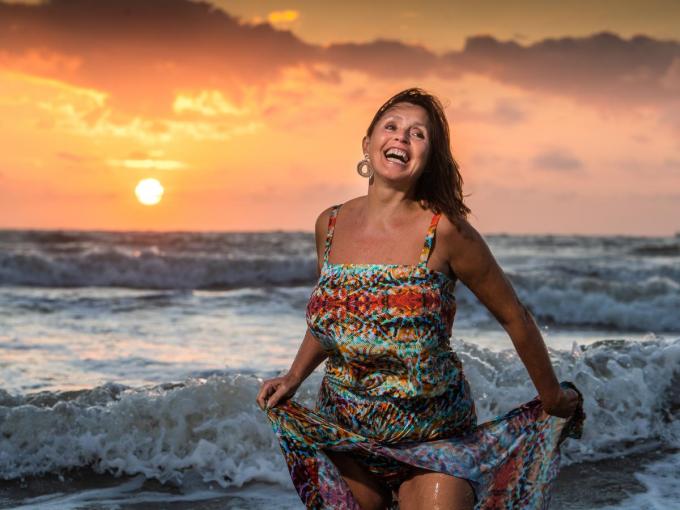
394 395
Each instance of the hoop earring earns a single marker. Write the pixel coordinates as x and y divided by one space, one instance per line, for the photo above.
364 167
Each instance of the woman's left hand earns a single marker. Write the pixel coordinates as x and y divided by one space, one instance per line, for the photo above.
565 404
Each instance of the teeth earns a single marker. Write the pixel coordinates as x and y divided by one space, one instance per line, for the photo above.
397 154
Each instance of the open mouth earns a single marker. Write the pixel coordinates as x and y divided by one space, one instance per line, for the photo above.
396 156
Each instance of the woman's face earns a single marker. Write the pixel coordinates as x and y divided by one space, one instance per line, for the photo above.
399 146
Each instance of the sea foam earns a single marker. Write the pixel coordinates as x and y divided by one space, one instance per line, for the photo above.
212 428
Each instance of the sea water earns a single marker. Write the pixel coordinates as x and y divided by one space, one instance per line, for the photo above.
130 363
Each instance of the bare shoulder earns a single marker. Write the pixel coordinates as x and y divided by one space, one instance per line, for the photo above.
321 229
321 226
458 230
458 235
464 247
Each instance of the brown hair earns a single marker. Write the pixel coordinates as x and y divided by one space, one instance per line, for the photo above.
440 186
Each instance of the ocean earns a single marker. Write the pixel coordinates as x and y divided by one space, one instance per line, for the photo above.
130 362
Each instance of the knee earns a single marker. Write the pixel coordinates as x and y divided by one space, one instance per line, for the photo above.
427 489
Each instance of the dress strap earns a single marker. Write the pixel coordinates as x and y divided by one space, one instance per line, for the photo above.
429 240
331 229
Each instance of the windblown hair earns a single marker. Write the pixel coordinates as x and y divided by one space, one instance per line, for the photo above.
440 186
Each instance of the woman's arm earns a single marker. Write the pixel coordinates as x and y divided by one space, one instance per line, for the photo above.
310 354
471 260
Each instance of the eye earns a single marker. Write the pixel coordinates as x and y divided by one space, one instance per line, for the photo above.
419 134
389 126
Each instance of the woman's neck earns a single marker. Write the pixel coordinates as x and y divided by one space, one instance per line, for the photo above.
383 202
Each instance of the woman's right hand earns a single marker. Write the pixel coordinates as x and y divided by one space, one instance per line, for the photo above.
565 405
276 390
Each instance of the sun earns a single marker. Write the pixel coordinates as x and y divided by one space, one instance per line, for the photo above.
149 191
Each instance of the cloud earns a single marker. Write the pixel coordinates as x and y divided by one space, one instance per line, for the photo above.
25 2
671 79
652 168
602 67
670 116
495 161
505 111
209 103
389 59
143 52
282 17
556 159
147 164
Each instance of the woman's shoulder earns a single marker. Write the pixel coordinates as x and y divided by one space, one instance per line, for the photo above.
458 236
321 225
322 219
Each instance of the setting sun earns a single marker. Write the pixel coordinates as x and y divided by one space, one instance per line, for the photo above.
149 191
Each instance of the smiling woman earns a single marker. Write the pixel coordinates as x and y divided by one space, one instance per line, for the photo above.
149 191
395 424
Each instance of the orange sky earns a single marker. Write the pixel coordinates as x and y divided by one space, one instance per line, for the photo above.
251 113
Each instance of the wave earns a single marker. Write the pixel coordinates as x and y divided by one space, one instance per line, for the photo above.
646 304
149 270
658 249
211 427
614 283
155 260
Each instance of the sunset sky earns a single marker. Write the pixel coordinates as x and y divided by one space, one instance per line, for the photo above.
565 116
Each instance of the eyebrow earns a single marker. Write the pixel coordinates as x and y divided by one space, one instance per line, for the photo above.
393 115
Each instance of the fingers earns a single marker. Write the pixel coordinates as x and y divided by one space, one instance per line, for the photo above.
574 400
566 405
280 392
570 403
576 395
268 387
272 391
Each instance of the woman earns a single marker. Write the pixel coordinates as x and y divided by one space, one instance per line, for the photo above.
395 422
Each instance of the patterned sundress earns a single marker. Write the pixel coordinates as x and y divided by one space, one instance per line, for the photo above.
394 395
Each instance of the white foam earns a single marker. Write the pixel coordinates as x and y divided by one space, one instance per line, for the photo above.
212 428
629 389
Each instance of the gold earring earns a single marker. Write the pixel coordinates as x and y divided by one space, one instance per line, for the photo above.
364 167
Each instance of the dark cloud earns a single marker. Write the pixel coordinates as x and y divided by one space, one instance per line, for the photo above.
601 67
144 51
556 159
390 59
148 48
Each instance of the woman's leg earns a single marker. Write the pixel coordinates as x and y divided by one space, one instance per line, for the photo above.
434 491
366 488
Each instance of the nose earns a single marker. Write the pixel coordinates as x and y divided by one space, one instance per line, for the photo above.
401 135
